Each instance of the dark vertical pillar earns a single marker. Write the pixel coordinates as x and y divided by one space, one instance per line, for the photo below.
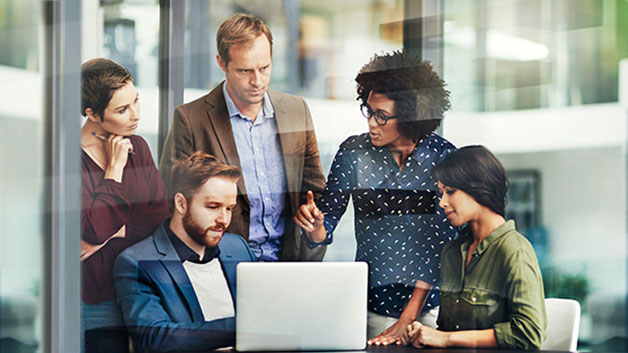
198 58
413 26
423 32
171 65
292 12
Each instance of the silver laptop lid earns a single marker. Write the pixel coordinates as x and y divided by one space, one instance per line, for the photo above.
295 306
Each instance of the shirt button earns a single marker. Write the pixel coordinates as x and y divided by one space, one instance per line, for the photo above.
257 149
474 299
266 198
457 301
457 327
261 173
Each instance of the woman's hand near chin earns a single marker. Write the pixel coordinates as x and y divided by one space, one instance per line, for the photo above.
117 149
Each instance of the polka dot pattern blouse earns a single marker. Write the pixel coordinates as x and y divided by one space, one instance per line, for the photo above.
400 229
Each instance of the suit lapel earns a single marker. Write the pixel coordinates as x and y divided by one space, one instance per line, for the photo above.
229 269
221 124
290 136
173 265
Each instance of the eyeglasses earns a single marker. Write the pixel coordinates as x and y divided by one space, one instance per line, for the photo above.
380 118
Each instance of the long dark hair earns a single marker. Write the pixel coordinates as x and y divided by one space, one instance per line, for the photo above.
477 172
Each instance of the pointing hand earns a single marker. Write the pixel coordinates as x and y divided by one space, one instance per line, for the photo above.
309 217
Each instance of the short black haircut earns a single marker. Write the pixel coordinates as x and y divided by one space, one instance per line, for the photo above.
419 93
476 171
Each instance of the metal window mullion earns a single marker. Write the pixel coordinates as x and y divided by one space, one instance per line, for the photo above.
423 32
171 62
61 126
292 11
432 39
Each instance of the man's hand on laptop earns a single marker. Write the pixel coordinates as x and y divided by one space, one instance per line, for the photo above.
392 335
310 219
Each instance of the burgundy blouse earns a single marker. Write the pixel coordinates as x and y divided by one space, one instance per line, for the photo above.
140 202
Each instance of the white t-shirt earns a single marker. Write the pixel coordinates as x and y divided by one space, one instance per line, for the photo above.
211 288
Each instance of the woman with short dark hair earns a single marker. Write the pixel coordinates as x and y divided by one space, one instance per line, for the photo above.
491 287
123 198
387 172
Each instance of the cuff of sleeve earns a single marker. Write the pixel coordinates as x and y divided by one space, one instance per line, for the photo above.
110 183
503 335
110 186
313 245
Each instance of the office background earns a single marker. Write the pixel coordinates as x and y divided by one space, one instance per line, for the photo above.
540 82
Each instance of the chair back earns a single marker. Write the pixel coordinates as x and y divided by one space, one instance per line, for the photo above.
563 324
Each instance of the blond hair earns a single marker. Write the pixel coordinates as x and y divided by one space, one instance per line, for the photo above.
240 29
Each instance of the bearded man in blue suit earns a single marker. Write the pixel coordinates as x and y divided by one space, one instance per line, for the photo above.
177 287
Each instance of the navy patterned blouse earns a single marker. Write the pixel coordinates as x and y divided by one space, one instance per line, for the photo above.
400 229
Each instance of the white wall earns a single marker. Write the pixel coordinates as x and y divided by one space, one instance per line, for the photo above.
580 153
535 130
583 196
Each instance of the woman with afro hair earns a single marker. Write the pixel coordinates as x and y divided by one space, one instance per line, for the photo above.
399 228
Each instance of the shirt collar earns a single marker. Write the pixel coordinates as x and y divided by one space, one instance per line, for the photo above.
187 254
486 242
267 112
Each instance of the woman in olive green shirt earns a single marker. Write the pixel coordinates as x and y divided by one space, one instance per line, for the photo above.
491 288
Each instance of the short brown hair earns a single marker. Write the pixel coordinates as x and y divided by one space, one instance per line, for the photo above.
240 29
99 79
189 174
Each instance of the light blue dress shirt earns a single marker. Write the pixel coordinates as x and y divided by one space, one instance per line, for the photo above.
264 176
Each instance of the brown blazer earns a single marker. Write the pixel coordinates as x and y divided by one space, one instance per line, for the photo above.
204 124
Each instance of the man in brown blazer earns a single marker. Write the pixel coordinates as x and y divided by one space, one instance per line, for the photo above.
269 135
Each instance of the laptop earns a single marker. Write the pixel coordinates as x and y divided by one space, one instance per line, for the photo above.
301 306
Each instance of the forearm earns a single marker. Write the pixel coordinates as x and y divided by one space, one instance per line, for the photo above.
416 302
318 235
104 211
114 172
472 339
192 337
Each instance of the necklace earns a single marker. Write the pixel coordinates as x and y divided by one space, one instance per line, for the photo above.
89 150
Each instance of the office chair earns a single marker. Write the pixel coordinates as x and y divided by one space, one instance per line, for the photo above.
563 324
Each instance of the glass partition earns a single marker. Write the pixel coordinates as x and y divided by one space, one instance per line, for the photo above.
130 37
318 48
510 55
537 82
22 181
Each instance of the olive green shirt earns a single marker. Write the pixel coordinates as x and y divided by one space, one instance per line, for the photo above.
502 288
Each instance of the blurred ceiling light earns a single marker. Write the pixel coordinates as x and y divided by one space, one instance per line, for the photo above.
499 45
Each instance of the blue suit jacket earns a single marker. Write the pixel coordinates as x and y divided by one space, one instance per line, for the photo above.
160 307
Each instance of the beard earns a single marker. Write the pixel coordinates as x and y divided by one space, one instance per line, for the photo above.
202 235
